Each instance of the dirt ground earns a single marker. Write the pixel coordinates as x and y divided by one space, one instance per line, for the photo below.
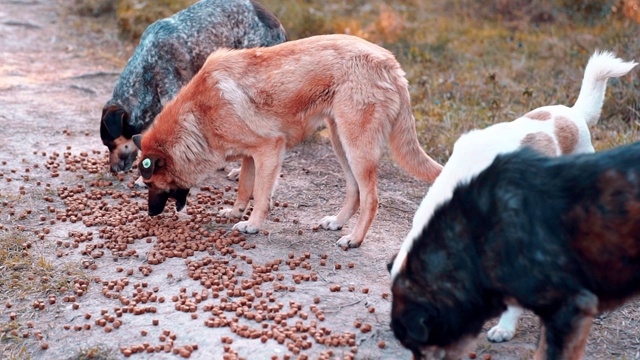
182 284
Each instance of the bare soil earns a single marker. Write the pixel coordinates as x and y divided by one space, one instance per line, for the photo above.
56 72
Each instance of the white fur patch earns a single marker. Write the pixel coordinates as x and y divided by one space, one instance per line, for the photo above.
245 109
192 144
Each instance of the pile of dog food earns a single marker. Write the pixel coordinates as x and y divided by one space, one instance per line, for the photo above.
237 289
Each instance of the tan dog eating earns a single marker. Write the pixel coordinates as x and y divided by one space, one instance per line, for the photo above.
254 104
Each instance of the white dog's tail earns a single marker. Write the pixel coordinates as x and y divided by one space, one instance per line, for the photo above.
601 67
404 144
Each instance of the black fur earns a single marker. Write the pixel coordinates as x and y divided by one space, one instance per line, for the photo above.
114 123
158 200
561 236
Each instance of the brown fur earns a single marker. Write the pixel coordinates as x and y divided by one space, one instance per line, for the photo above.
123 147
567 134
254 104
541 142
538 115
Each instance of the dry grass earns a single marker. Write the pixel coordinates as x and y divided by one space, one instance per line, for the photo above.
471 64
25 273
99 352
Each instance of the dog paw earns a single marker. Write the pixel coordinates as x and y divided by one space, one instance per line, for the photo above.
330 223
348 241
139 184
246 227
500 334
230 213
234 174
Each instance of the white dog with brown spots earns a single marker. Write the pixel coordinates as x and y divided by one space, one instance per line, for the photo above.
552 130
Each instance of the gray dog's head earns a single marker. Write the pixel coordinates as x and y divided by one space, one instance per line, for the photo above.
116 134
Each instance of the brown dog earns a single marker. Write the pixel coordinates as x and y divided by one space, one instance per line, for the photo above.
254 104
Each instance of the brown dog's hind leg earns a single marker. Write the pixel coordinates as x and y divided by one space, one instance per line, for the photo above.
245 189
566 331
352 199
367 183
267 160
363 133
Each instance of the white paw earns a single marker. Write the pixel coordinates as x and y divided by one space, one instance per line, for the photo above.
330 223
234 174
246 227
348 241
500 334
229 213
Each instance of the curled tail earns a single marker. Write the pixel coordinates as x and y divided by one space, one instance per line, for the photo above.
405 147
601 67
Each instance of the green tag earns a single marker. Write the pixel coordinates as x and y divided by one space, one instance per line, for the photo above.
146 163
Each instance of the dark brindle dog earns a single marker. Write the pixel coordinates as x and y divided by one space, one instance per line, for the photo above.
170 53
559 236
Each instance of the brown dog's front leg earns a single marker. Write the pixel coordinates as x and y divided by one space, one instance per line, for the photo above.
245 189
267 161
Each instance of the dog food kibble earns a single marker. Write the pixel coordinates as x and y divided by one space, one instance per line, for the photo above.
472 355
234 288
365 328
44 346
486 357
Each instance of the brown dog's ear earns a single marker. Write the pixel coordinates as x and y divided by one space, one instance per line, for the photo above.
113 119
149 165
137 139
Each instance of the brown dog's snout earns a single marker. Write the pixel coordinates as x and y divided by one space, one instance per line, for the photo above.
158 200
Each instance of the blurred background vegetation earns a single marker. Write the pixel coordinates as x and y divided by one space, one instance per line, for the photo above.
470 63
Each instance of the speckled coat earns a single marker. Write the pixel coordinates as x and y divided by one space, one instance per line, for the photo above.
172 50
